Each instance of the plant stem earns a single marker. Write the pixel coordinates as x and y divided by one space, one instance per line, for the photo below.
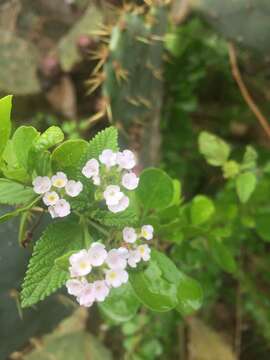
98 227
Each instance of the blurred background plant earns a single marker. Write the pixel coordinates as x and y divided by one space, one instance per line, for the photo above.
163 73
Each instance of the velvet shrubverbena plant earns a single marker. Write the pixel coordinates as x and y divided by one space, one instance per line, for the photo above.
105 238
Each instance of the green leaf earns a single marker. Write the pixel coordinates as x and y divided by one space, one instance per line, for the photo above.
250 158
202 209
245 185
63 261
189 291
214 149
177 192
18 211
121 305
263 226
222 255
67 155
155 190
23 140
190 295
106 139
43 276
162 287
5 123
154 292
13 193
51 137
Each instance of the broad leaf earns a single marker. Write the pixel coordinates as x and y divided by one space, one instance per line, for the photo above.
189 291
263 226
215 150
162 287
222 255
202 209
250 158
152 290
67 155
13 193
51 137
5 123
23 140
43 276
121 304
190 296
245 185
155 190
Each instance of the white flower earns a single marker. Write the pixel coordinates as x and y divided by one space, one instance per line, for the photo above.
75 286
97 254
62 208
116 260
50 198
91 168
116 277
126 159
123 252
42 184
59 180
80 264
101 290
144 251
147 232
87 295
130 181
129 235
96 180
52 212
121 206
108 158
73 188
134 258
112 195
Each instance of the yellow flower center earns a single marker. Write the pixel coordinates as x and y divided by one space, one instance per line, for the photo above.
112 275
59 182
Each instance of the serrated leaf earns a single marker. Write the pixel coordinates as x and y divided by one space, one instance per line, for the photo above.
106 139
13 193
129 217
215 150
43 276
18 211
5 123
245 185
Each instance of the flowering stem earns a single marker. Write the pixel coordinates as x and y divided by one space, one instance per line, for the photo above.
98 227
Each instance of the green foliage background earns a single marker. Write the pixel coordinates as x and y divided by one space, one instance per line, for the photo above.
208 199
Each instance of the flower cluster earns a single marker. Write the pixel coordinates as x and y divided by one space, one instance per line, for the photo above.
113 174
54 190
95 271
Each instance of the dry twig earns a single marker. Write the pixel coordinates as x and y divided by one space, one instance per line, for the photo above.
244 91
